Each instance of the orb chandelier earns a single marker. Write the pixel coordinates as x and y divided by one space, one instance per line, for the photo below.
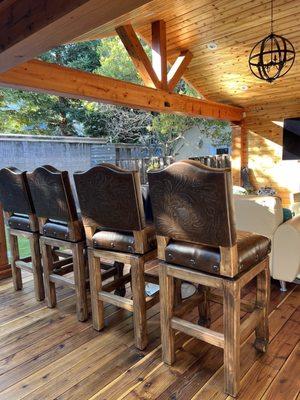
272 57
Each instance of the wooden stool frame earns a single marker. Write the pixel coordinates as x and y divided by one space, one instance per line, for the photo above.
234 331
102 293
111 199
54 272
30 264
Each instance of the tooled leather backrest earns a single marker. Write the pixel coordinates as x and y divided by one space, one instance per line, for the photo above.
51 194
110 197
192 202
14 191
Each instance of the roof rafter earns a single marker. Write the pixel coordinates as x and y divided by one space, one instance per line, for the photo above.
159 52
178 68
138 55
29 28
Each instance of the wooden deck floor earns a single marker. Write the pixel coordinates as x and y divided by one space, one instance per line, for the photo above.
46 354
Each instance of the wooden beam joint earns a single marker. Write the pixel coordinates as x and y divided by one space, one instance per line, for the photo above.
154 74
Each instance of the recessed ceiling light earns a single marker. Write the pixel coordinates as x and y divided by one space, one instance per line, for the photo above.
212 46
244 87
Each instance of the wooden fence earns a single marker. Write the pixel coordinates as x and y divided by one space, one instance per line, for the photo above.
218 161
143 165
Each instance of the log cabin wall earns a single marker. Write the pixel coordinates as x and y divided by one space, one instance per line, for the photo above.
265 147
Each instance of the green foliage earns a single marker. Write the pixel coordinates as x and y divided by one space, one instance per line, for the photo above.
218 131
115 61
34 113
169 129
84 56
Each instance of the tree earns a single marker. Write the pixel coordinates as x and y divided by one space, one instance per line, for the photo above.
34 113
170 130
218 131
115 61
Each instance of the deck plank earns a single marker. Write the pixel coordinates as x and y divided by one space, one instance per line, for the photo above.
282 311
288 379
47 354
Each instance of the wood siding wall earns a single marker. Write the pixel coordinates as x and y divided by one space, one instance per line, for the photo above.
264 147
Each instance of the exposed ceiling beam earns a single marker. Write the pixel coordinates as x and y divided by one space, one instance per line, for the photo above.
178 68
62 81
138 55
159 52
29 28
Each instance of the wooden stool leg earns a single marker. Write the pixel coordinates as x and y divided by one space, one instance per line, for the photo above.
204 308
166 285
177 292
262 300
54 255
16 272
47 268
37 267
231 310
79 268
95 287
139 303
120 291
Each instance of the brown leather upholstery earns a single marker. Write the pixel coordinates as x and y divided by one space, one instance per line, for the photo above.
203 258
252 249
21 222
193 203
14 193
56 230
110 197
15 198
54 202
122 241
51 194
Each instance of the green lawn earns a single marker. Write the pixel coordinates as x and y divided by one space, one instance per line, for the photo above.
23 246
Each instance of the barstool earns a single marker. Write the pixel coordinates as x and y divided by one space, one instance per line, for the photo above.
114 220
21 221
60 227
197 242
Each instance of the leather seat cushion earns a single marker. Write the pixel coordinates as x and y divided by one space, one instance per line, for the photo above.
56 230
121 241
20 222
252 249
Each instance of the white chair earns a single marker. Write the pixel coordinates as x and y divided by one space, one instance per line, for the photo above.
264 215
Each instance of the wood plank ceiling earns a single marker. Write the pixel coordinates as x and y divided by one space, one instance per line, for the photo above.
235 26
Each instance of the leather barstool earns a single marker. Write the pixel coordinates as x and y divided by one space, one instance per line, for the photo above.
21 221
60 227
197 242
114 220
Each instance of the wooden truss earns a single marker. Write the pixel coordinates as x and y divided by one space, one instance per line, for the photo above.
154 74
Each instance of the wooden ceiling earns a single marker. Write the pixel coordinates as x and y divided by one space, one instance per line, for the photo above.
235 25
